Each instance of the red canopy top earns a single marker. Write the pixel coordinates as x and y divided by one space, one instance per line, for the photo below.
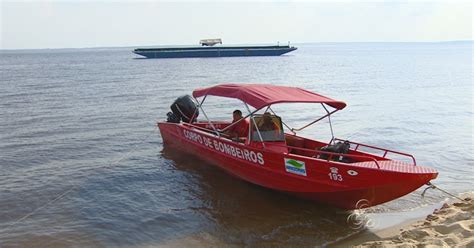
261 95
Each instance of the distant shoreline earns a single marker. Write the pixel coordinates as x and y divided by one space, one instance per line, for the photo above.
294 43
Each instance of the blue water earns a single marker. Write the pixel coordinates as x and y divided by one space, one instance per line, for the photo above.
82 163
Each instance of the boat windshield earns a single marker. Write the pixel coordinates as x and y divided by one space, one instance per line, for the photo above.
270 127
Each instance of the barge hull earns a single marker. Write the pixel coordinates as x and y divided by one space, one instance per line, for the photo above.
203 53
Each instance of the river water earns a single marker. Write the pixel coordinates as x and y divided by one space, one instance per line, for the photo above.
82 163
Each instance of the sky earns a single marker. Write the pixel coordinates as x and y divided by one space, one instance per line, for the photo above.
78 24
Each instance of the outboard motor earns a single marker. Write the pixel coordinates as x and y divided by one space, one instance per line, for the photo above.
183 109
172 118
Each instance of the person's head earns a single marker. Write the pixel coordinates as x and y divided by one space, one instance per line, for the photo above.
237 115
267 118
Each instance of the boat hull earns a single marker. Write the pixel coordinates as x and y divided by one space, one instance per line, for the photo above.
213 52
338 184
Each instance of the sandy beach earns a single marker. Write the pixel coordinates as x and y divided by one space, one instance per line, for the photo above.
449 226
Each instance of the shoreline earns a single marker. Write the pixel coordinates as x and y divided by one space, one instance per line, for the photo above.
447 223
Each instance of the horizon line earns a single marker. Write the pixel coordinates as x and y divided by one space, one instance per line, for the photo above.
165 45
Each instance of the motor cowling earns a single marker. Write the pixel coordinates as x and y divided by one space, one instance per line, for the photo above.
184 108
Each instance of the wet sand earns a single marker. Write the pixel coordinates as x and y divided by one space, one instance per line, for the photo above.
451 225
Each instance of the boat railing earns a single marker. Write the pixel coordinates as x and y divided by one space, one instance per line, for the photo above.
385 151
207 130
332 154
198 127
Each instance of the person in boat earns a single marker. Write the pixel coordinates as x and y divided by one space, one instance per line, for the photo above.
268 128
240 129
267 123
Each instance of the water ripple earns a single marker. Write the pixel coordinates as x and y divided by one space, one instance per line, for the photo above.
82 121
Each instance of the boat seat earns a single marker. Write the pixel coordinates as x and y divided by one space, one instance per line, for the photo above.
295 141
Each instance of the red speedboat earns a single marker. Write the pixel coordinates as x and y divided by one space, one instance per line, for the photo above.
339 172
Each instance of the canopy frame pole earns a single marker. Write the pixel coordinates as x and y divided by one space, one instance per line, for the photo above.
311 123
232 124
199 104
289 128
255 124
208 120
330 123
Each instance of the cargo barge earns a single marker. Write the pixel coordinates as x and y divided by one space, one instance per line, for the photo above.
207 49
